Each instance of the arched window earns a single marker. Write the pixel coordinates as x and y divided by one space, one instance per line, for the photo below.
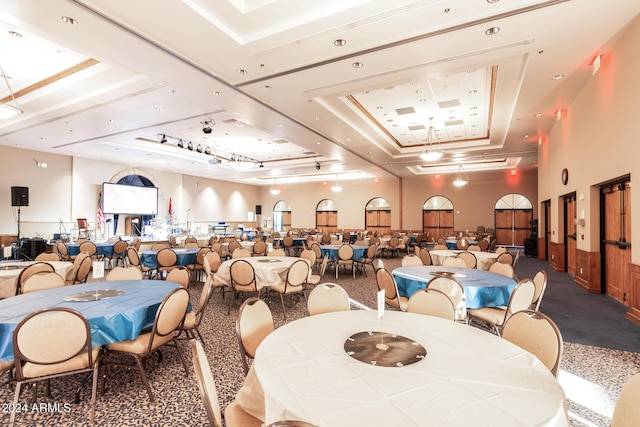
437 217
281 216
326 215
378 216
513 215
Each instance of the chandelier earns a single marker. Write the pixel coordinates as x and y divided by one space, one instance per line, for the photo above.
429 154
275 188
336 187
462 178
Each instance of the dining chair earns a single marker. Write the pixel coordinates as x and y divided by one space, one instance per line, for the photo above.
277 252
425 257
119 253
501 250
42 280
233 246
191 245
253 324
30 270
89 248
168 320
315 279
501 269
474 248
392 246
505 258
193 318
179 275
495 318
386 282
345 258
47 256
294 284
197 267
309 255
483 244
540 280
81 268
317 250
538 334
243 280
123 273
327 298
462 244
454 290
432 302
191 239
51 343
83 228
411 260
63 251
454 262
166 260
469 258
134 260
211 264
626 413
234 415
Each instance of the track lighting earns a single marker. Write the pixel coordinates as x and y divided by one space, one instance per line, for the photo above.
317 166
163 139
261 165
199 148
180 144
190 146
207 126
207 150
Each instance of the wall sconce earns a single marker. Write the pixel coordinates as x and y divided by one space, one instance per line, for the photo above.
40 164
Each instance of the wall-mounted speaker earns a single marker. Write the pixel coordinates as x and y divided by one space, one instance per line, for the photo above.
258 209
19 196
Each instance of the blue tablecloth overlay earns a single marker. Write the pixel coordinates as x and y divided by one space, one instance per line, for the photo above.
185 256
115 319
359 251
481 288
102 248
297 241
453 245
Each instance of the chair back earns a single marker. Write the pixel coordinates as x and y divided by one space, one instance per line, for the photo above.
440 247
326 238
309 255
432 302
372 251
326 298
206 384
627 411
47 256
454 262
451 288
317 250
521 297
502 269
253 324
469 258
191 245
30 270
501 250
190 239
474 248
297 274
42 280
62 249
166 257
505 258
409 260
483 245
132 255
120 247
393 243
169 317
540 280
179 275
89 248
425 256
538 334
276 252
462 244
242 274
240 253
259 248
50 336
212 260
386 281
345 252
123 273
287 241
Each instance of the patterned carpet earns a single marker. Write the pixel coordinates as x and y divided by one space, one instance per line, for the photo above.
592 376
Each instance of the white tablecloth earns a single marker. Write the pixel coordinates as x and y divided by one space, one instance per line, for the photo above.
485 259
9 278
469 377
269 270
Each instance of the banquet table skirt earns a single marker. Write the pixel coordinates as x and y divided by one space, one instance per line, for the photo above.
359 251
114 319
485 259
269 270
481 288
102 248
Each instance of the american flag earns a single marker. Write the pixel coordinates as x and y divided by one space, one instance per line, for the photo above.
170 208
99 216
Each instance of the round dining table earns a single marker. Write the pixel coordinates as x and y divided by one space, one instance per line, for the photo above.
481 288
359 251
184 256
485 259
468 376
114 319
9 272
269 270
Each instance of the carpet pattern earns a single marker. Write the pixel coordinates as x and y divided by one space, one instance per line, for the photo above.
592 375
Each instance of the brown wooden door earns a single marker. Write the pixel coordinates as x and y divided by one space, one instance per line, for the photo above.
570 242
521 225
286 220
617 241
513 226
504 226
547 228
379 221
437 223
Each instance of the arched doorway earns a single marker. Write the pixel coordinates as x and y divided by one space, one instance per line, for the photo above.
378 216
281 216
327 215
513 216
437 217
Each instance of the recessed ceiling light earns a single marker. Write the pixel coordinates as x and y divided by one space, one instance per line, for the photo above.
537 115
15 34
419 91
492 31
340 42
316 118
379 107
473 92
69 20
447 10
216 93
242 71
266 87
357 65
493 1
557 77
423 100
525 136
